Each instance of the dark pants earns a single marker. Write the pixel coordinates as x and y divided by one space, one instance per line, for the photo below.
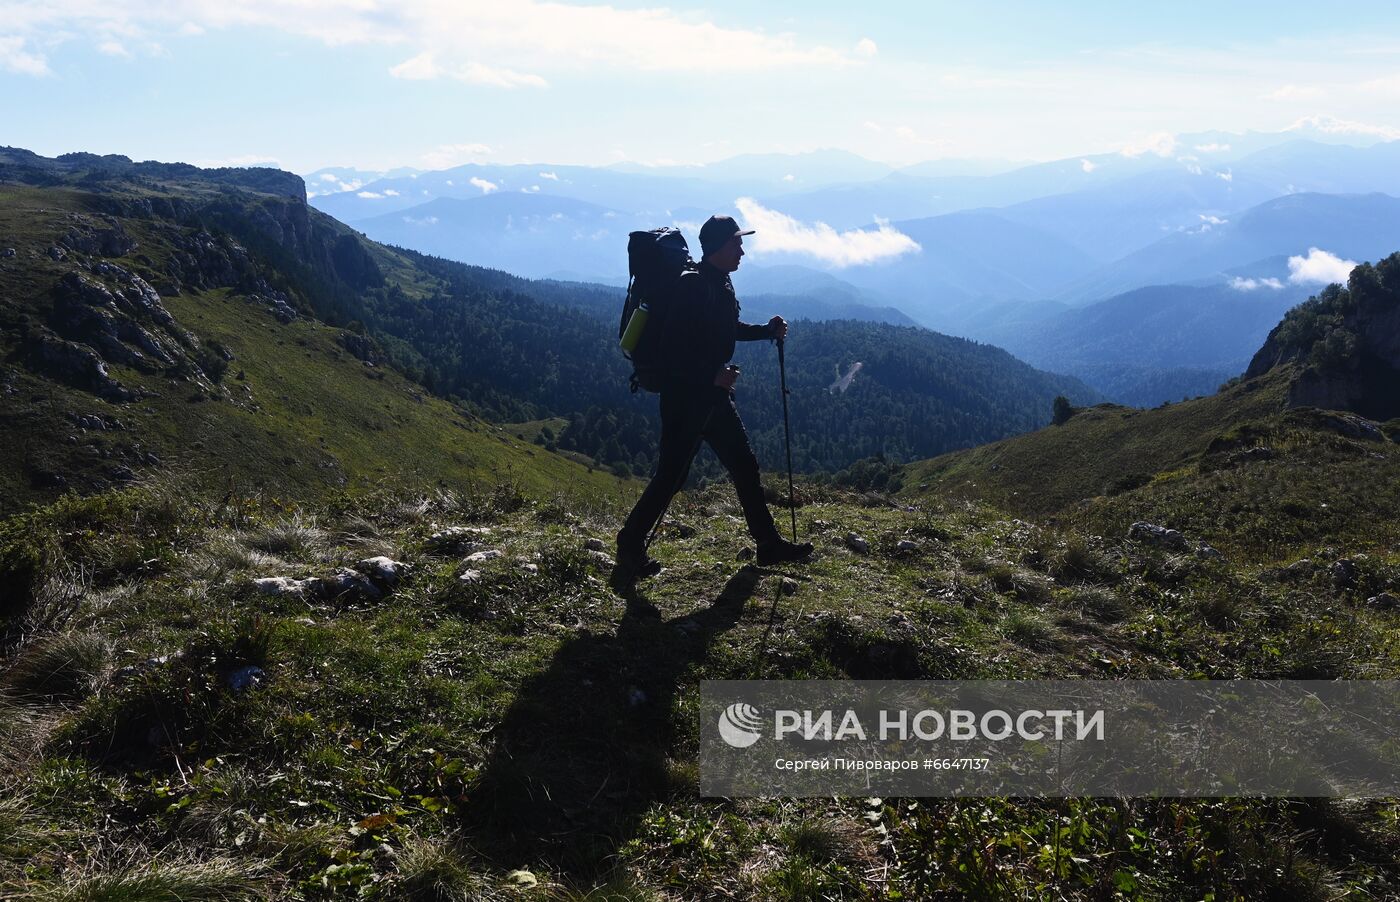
683 418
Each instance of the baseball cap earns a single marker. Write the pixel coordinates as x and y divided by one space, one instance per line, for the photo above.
717 230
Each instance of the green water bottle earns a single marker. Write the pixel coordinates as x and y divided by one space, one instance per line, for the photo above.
635 327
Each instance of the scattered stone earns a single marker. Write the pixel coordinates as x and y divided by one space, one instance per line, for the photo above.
1344 574
455 539
479 557
595 545
7 253
684 530
789 586
281 585
1208 552
636 697
522 879
470 576
347 585
1259 453
745 553
603 558
383 571
1157 535
245 678
124 674
1300 569
857 544
530 568
906 547
56 254
1384 602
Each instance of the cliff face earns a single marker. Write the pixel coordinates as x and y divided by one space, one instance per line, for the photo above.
1345 343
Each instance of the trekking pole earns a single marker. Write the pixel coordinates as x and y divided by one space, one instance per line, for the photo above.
787 437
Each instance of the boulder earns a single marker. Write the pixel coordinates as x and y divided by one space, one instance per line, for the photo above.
595 545
1160 536
282 585
349 586
1384 602
383 571
857 544
480 557
455 539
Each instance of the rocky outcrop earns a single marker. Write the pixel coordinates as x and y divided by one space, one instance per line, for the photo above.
73 364
126 325
1345 344
108 239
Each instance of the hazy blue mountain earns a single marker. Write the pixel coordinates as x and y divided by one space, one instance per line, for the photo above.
651 197
1136 347
532 235
950 166
1112 220
759 308
774 171
967 259
1355 226
1301 166
905 196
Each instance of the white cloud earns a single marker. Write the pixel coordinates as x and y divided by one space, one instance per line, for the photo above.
1088 165
390 192
329 177
789 177
1319 268
866 48
247 160
14 58
1212 220
1226 176
1163 144
873 126
485 186
1386 87
1329 125
477 40
908 134
533 189
549 175
1295 92
114 48
369 195
425 67
1242 284
1211 148
778 232
426 220
445 156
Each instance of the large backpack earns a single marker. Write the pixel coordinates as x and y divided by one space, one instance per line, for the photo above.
656 262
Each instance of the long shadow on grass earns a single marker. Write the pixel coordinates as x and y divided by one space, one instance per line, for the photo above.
583 751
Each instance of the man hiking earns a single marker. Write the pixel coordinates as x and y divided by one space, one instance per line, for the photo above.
697 400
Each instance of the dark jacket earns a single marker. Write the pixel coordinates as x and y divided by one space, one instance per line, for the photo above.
701 329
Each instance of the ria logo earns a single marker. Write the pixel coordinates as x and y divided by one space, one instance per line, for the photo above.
740 725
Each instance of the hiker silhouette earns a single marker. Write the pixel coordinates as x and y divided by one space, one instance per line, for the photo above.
697 401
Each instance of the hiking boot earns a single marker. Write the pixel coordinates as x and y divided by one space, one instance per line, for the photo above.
632 566
781 550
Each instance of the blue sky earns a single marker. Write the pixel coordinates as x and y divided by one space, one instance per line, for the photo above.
311 83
